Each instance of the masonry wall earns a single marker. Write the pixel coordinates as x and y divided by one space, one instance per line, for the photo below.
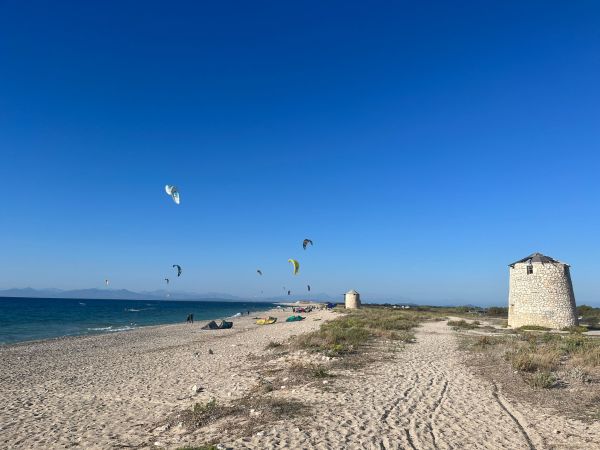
352 301
543 298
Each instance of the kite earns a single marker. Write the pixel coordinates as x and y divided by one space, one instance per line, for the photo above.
167 280
258 271
296 265
306 242
173 192
178 267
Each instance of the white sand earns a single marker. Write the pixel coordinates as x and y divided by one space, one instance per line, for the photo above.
113 391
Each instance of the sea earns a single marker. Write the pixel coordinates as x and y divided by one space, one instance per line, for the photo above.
27 319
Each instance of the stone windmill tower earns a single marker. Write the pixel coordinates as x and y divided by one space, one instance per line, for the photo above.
541 293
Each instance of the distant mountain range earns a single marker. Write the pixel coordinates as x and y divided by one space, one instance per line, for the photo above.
124 294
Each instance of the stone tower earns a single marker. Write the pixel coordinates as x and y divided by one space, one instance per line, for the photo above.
352 299
541 293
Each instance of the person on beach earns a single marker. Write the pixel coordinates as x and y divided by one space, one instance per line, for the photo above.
191 318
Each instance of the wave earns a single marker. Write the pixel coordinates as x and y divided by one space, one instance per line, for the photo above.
110 328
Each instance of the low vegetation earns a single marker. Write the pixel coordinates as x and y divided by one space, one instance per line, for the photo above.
352 331
533 328
463 324
590 317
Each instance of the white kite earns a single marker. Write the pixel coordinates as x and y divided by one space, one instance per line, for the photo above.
173 192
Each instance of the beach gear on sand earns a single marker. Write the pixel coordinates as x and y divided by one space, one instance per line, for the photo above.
266 321
306 242
295 319
330 305
212 325
296 265
173 192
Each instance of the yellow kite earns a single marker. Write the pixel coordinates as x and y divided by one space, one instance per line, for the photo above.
296 265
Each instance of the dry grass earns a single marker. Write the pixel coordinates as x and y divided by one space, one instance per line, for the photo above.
463 324
350 332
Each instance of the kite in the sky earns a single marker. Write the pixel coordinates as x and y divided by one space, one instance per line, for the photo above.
173 192
167 280
306 242
289 292
308 287
106 282
258 271
296 265
178 267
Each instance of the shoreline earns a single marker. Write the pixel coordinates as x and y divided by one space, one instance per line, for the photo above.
110 390
132 328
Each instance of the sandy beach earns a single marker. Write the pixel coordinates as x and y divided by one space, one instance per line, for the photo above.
117 391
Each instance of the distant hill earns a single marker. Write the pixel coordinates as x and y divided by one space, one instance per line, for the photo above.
161 294
113 294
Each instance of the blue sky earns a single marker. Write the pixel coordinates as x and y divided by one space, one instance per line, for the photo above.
423 146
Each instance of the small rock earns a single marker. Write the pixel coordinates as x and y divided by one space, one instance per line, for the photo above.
260 434
556 431
282 387
297 430
325 381
229 394
210 352
285 379
195 389
221 447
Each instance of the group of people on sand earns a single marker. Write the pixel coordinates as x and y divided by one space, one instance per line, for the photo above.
190 318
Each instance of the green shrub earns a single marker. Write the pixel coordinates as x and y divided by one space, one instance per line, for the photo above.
533 328
575 329
543 380
463 324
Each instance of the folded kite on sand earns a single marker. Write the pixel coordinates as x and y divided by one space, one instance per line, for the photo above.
295 318
212 325
266 321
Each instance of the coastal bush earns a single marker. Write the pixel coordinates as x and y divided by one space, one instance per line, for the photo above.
533 359
497 311
533 328
463 324
545 380
273 344
321 372
575 329
348 333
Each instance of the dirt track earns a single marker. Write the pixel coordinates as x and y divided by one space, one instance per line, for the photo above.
425 397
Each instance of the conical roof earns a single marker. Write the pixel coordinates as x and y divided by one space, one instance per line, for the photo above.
352 292
536 258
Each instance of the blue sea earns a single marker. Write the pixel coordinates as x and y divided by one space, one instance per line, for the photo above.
26 319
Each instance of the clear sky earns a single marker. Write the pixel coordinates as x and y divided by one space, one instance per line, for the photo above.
423 146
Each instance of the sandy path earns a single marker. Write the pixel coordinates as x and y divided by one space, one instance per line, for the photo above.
425 398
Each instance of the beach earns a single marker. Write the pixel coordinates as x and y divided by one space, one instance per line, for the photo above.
124 390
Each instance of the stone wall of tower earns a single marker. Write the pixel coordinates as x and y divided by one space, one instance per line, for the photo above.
544 297
352 300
